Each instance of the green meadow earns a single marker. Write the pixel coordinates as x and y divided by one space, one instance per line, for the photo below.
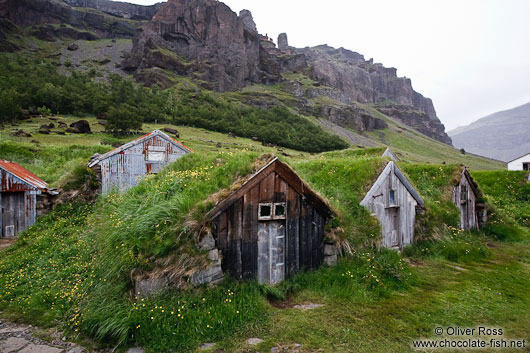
73 268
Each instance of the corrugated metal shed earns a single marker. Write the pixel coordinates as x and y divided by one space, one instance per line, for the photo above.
19 189
17 178
126 165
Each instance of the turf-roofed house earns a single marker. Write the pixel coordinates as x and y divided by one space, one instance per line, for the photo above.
466 197
23 197
123 167
272 226
393 200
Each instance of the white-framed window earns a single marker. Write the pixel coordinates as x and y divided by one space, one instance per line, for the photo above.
280 210
265 211
270 211
156 154
392 198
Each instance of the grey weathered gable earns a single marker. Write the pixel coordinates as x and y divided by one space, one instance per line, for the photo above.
383 176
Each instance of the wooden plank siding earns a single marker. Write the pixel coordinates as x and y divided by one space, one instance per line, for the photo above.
235 228
397 219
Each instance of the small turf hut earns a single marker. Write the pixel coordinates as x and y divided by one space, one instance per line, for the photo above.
393 200
466 197
270 227
123 167
23 197
389 154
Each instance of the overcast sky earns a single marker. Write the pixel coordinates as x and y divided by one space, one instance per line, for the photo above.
472 57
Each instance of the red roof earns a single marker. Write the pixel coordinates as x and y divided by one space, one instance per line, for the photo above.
24 174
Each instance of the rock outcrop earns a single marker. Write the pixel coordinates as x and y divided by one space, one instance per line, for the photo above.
364 81
118 8
283 42
54 12
200 37
419 120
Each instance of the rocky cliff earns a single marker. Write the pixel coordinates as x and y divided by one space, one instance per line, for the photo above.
50 17
223 51
118 8
207 41
203 38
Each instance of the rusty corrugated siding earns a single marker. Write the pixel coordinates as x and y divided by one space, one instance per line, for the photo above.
125 166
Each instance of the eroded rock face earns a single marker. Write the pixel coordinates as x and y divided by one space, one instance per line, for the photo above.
360 80
206 38
248 20
352 117
418 120
118 8
49 12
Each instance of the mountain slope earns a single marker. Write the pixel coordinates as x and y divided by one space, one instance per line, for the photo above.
503 135
198 46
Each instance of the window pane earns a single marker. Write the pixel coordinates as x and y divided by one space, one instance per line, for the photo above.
279 210
265 210
392 197
156 156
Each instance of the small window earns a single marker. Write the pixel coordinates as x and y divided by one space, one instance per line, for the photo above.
279 210
392 197
265 211
271 211
156 154
463 193
526 166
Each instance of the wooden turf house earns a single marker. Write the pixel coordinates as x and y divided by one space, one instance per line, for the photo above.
270 227
393 200
23 197
123 167
389 154
466 197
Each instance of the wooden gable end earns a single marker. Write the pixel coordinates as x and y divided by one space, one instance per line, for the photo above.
236 224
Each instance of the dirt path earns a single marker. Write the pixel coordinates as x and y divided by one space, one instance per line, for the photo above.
6 242
28 339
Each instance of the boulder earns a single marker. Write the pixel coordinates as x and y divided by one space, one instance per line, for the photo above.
207 243
80 127
172 131
62 125
21 133
146 287
211 275
44 129
73 47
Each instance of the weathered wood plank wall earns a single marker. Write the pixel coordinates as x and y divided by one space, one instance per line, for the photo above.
236 230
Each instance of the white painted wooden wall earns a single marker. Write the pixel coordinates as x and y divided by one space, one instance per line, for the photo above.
517 164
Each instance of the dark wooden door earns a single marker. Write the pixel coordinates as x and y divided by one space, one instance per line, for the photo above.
271 252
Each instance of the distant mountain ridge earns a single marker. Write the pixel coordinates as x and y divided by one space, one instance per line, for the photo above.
504 135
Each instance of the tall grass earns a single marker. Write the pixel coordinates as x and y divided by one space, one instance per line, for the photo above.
344 182
56 165
508 194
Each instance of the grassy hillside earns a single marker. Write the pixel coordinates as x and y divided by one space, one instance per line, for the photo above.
77 261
